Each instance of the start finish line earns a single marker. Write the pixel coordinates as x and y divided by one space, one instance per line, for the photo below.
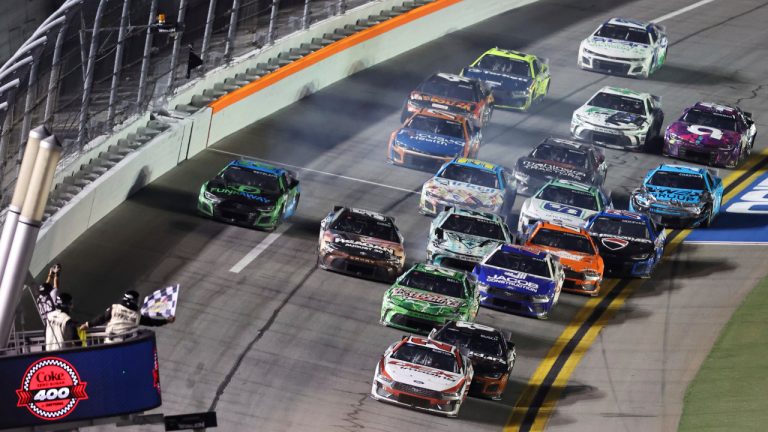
742 221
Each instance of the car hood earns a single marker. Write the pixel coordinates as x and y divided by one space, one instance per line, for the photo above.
577 261
431 143
617 48
425 301
465 195
241 193
704 136
483 364
621 245
611 119
547 169
421 376
499 81
468 244
672 194
515 281
370 247
547 210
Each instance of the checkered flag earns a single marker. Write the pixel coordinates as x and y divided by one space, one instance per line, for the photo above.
161 303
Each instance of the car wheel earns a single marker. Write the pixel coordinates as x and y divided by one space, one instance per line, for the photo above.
710 218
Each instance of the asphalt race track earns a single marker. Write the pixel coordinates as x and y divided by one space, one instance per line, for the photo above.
282 345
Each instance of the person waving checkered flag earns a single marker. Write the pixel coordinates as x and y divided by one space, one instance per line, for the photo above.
161 303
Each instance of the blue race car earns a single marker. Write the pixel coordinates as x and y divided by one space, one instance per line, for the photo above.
630 243
679 196
519 279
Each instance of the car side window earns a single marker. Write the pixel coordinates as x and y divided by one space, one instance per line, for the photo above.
653 34
536 67
649 106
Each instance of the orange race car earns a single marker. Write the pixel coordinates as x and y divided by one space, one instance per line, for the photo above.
577 252
433 137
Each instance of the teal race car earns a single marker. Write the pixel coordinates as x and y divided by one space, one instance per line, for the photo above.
252 194
428 296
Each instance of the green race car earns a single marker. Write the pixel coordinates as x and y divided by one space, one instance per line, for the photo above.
427 296
516 79
250 193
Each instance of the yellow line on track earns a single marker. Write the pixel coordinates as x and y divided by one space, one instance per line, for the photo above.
547 407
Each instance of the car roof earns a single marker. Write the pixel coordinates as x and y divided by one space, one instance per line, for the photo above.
621 214
431 112
422 341
430 268
564 142
473 328
503 52
568 184
718 108
679 169
474 163
256 166
473 213
364 212
621 91
450 78
628 22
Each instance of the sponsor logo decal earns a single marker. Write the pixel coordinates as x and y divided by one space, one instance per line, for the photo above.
755 201
562 208
427 297
437 373
249 195
702 131
364 246
513 279
614 243
554 169
51 389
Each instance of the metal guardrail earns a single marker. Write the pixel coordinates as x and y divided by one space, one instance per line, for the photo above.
33 341
93 64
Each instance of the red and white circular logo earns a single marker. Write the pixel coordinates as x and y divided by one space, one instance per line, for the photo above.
51 389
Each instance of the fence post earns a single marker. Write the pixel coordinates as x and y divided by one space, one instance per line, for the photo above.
147 54
230 46
208 31
118 63
90 71
177 43
53 81
272 22
305 16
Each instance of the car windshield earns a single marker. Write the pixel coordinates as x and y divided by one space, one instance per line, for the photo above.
360 224
521 263
467 174
428 357
473 226
265 181
678 180
568 196
504 65
459 90
559 154
487 343
618 103
624 33
436 283
436 125
710 119
563 240
636 229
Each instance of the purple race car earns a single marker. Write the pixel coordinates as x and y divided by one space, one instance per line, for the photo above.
711 134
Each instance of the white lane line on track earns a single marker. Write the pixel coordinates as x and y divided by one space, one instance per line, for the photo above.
257 250
316 171
681 11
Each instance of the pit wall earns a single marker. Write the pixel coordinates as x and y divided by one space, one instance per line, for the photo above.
240 108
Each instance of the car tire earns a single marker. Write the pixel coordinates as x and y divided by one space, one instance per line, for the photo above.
710 219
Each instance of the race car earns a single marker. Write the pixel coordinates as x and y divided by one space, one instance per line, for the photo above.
250 193
562 200
578 255
458 95
427 296
711 134
623 46
679 196
422 374
461 238
430 138
362 243
630 243
516 79
492 356
521 280
619 118
469 184
558 158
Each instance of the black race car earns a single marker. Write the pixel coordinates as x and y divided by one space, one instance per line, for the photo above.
492 356
558 158
455 94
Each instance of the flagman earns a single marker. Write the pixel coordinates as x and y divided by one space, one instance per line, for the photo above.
123 318
61 329
47 293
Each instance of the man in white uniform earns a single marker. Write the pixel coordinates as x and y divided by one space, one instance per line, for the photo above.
123 318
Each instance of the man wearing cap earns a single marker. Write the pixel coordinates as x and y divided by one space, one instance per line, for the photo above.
123 318
61 329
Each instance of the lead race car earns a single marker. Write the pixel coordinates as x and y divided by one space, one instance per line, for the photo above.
361 242
250 193
563 201
679 195
516 79
619 118
469 184
625 47
452 93
558 158
426 375
711 134
630 243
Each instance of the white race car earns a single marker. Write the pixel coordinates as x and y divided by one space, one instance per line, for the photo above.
562 201
619 118
625 47
423 374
